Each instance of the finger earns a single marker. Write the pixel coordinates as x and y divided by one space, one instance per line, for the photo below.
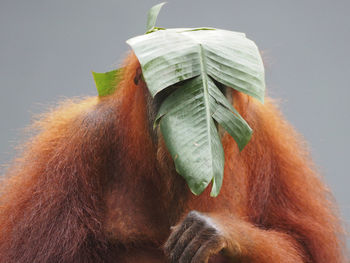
184 240
176 234
191 250
211 247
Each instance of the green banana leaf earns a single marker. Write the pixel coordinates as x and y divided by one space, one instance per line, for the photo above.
193 60
196 57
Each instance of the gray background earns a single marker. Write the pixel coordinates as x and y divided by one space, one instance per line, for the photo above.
48 49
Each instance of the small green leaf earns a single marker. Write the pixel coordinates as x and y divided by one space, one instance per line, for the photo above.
234 124
107 82
152 17
228 117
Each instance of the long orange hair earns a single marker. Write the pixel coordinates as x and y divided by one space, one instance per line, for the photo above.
52 204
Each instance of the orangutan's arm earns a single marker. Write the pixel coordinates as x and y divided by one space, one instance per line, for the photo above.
199 236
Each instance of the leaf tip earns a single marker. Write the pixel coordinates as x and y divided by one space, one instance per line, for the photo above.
213 194
247 140
214 190
152 16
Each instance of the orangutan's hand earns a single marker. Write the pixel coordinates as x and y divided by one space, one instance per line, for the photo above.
194 240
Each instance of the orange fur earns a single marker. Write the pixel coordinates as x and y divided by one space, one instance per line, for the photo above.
93 186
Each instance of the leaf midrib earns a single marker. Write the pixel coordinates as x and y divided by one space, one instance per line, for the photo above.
204 77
